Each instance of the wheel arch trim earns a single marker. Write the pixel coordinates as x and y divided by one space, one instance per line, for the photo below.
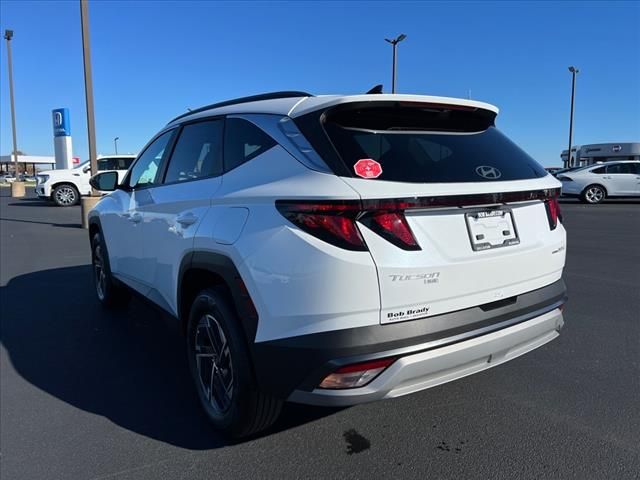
223 267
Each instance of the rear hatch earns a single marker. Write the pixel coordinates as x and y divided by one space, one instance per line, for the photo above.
454 214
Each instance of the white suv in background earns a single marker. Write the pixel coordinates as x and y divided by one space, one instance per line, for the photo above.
334 250
604 180
65 186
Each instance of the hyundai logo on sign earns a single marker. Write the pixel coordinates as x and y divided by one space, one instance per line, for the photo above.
61 125
617 148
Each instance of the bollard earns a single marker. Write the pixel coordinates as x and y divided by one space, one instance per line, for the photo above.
18 189
86 204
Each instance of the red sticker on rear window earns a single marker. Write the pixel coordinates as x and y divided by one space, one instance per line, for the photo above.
367 168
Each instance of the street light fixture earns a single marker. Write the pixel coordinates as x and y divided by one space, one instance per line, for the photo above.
394 43
574 71
115 142
17 188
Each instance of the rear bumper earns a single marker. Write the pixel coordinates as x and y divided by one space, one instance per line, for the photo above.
571 189
433 367
293 367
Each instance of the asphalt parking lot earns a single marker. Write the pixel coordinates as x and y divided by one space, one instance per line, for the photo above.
86 394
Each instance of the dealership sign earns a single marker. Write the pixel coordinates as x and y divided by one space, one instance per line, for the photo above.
61 123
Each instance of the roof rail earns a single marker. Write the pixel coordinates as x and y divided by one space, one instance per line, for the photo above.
252 98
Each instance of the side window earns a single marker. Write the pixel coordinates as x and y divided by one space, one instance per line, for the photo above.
619 168
122 163
105 164
599 171
146 168
242 142
198 152
636 168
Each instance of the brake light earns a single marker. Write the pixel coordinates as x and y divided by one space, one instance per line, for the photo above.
553 211
393 227
333 222
356 375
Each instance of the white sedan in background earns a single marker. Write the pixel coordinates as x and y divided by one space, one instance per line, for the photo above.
604 180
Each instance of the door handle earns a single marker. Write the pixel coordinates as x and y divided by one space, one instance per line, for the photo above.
135 217
187 219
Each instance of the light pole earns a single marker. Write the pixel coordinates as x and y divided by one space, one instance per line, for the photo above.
18 190
115 142
88 203
574 71
394 43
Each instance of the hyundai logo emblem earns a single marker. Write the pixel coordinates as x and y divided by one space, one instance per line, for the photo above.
57 119
488 172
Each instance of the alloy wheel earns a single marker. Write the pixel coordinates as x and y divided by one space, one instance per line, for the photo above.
594 195
213 363
66 196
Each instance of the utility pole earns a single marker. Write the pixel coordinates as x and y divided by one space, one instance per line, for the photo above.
88 203
574 71
394 43
88 87
17 190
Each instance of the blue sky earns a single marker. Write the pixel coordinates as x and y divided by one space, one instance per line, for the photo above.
152 60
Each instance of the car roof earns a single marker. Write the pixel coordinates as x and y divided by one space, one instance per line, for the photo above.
295 104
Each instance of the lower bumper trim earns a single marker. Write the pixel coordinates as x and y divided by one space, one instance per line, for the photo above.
434 367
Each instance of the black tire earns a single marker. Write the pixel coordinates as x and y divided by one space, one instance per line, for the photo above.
110 292
220 367
593 194
65 195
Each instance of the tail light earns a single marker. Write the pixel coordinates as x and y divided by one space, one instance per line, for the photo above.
335 222
356 375
392 226
553 211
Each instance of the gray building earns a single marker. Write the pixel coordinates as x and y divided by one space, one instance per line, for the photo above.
600 152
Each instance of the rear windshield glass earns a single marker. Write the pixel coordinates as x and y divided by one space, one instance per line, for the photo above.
468 149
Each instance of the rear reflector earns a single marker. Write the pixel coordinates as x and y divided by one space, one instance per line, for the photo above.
356 375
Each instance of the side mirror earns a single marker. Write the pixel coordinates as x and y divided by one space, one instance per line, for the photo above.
86 169
105 182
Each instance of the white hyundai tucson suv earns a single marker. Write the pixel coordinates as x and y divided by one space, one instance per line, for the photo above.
334 250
